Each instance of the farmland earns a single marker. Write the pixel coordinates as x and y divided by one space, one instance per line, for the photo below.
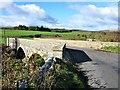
27 33
19 33
73 35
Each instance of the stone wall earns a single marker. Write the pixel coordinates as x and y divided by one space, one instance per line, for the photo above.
74 55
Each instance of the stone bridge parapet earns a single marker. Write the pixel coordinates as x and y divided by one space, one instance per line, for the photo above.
53 47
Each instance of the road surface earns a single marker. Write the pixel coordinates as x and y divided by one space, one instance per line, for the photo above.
107 63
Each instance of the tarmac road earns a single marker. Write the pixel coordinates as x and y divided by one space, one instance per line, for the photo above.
107 63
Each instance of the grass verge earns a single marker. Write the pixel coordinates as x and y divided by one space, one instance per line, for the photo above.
111 48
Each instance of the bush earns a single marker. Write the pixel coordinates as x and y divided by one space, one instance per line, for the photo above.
60 76
14 70
37 60
67 79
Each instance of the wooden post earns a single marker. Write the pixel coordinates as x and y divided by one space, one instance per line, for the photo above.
4 36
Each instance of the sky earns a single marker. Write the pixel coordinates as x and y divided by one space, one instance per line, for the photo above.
70 15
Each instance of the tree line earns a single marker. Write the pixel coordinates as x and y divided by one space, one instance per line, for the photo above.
37 28
23 27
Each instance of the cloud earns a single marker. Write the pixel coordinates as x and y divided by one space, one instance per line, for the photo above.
89 17
5 3
14 20
28 14
93 17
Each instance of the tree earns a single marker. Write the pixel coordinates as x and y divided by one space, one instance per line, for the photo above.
22 27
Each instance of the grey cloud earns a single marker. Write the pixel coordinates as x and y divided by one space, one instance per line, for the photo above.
49 19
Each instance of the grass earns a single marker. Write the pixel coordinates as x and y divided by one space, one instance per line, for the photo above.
3 41
27 33
18 33
111 48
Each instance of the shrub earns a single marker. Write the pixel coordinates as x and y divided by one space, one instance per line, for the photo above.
37 60
60 76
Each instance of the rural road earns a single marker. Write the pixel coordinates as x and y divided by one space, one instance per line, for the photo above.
107 63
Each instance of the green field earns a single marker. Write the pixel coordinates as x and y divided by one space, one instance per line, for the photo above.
74 35
18 33
27 33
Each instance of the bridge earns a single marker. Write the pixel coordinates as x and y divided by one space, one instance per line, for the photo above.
44 48
53 47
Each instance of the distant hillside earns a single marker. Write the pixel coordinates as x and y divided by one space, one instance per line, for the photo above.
68 30
110 30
